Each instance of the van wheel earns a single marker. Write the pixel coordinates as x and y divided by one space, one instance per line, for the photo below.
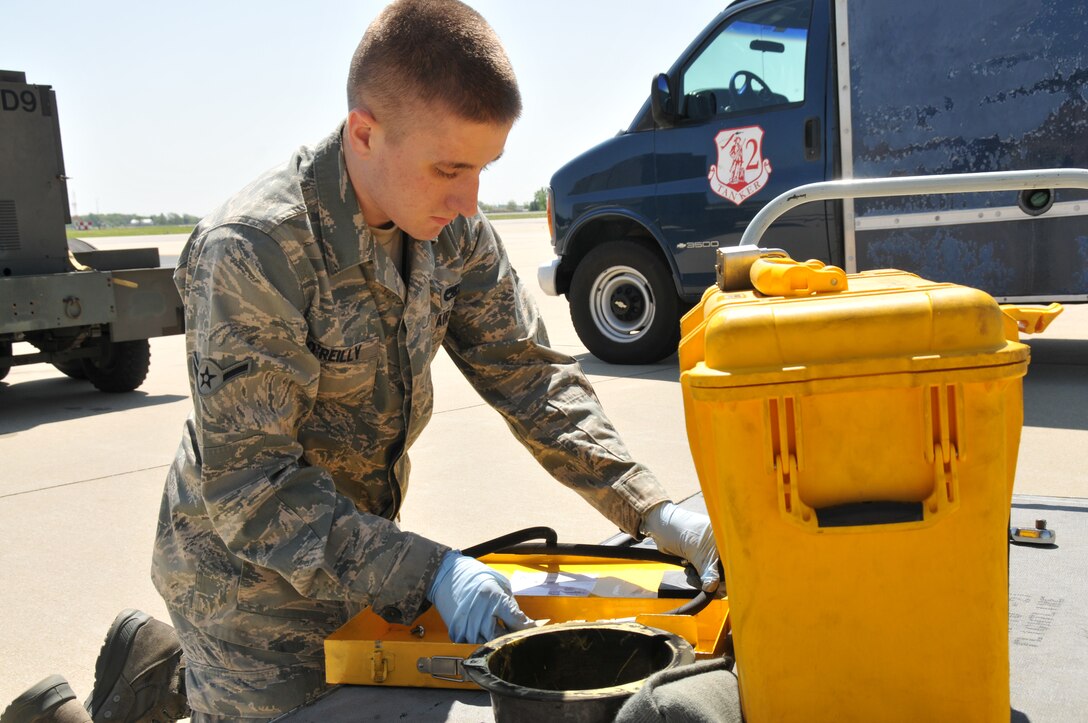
122 366
624 305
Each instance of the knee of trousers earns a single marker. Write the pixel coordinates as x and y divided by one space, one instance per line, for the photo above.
234 681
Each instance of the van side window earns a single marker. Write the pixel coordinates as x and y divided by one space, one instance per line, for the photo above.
757 60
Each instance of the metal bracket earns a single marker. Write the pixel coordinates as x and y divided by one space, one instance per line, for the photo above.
442 667
733 265
910 186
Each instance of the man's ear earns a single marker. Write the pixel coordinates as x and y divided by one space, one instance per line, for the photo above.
361 127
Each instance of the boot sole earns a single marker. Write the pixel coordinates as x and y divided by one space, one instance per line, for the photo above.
44 695
114 653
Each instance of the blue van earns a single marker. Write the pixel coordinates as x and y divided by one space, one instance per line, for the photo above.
774 94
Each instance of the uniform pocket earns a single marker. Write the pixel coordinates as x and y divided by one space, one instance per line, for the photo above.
348 373
255 607
216 580
266 592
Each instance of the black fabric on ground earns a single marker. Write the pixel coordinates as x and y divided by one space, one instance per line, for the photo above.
703 692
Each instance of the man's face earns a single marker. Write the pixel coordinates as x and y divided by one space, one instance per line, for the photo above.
426 173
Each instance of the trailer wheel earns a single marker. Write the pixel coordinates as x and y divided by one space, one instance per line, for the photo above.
73 368
121 368
624 305
5 351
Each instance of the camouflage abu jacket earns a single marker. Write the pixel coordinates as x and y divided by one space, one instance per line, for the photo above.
310 374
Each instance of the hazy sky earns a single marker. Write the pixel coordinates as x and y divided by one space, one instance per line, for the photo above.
173 106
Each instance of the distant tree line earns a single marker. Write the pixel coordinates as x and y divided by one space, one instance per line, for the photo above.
111 220
107 220
539 203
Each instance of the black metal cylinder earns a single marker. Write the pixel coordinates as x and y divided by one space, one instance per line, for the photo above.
577 672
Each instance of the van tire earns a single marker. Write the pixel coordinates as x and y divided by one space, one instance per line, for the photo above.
121 368
623 303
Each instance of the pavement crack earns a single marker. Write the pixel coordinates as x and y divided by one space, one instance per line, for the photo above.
83 481
461 409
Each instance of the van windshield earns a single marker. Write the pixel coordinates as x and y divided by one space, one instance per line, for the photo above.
756 60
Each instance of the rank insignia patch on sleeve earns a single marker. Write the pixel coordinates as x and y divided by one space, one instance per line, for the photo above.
210 376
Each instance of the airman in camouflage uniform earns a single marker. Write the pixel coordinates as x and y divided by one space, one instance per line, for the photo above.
310 374
309 345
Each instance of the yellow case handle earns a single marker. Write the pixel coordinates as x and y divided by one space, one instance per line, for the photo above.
786 277
1028 319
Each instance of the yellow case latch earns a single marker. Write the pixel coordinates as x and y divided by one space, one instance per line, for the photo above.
786 277
1028 319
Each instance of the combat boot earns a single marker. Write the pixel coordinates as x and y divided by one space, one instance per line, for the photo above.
140 675
50 701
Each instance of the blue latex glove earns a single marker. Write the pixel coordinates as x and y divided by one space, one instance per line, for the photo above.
685 534
473 600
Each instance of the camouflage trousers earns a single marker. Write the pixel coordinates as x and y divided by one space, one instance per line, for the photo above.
227 681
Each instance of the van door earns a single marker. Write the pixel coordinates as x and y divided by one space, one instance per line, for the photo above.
752 125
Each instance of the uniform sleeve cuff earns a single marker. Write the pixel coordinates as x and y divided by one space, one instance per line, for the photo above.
402 597
642 492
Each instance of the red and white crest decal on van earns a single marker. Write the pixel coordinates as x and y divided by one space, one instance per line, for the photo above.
741 169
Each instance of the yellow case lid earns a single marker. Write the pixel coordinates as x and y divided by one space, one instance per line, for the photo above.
888 321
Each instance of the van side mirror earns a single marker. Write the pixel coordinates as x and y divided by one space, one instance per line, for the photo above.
662 101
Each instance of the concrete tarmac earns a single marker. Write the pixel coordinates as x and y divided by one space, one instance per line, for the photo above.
82 471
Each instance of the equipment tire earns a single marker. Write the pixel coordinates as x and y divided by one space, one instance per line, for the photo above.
121 368
73 368
5 351
624 305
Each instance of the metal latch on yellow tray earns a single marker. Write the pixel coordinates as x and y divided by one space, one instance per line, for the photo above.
1028 319
380 663
442 667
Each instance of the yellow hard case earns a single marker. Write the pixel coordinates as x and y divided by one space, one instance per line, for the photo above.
370 651
856 451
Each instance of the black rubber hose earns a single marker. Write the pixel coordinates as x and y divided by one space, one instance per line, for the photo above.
514 543
511 539
641 554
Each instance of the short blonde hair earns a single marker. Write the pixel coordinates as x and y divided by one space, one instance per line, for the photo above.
434 52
